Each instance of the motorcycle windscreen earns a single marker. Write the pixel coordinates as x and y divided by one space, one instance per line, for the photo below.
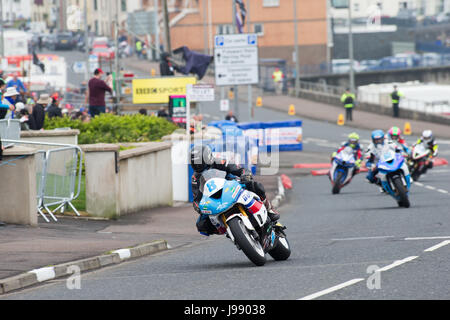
210 174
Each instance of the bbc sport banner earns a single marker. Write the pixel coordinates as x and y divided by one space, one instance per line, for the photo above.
158 90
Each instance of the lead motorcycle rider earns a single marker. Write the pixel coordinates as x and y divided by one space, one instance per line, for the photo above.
373 153
202 159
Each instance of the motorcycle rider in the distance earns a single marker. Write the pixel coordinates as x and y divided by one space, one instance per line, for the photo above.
373 153
202 159
353 142
428 139
395 134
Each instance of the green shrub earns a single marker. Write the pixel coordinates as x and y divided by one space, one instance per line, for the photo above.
109 128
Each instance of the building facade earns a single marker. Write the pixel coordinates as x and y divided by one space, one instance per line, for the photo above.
272 20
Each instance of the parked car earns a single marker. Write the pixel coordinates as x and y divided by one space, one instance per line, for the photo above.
103 53
343 65
61 41
100 42
367 65
431 59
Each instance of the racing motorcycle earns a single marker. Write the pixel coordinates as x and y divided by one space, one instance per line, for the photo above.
342 170
242 217
418 161
395 177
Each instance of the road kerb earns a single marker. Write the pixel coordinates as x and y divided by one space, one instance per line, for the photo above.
31 278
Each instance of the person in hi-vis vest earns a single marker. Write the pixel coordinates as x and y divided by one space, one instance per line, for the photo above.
278 78
396 96
348 99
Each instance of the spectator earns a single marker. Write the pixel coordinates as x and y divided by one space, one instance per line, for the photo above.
54 110
26 120
38 112
231 117
166 67
162 113
96 93
143 112
18 84
11 97
4 107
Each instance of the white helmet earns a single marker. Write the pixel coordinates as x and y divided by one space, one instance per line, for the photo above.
427 136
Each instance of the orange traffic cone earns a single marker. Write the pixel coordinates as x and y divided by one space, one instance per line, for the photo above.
259 102
407 130
341 120
292 110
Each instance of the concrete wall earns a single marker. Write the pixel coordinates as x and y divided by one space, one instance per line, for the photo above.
145 178
51 136
18 187
119 183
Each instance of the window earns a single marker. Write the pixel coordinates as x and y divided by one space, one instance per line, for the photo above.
258 28
271 3
225 29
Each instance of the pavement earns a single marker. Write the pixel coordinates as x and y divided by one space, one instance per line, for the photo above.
30 256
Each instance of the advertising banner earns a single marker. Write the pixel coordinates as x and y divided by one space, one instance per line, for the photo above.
159 90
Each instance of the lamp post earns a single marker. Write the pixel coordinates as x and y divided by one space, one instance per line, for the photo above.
297 63
350 47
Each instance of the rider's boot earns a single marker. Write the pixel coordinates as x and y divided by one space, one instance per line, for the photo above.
273 215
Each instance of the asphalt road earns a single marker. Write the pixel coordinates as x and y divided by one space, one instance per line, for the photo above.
337 241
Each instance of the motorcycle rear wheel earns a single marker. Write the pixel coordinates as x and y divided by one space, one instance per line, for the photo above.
248 244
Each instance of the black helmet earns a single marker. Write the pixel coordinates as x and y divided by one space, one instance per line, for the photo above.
201 157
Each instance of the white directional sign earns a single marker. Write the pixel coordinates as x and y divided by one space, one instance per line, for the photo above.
200 92
236 59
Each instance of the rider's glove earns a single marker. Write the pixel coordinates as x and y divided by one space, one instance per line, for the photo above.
247 177
358 163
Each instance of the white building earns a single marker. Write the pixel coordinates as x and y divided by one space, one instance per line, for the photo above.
364 9
16 9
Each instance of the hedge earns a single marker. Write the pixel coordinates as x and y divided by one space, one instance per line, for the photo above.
109 128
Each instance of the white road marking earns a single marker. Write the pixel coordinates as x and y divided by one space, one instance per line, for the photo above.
332 289
440 245
431 188
427 238
363 238
397 263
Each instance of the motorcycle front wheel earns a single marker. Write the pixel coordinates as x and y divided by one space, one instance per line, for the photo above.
404 200
282 251
337 183
246 241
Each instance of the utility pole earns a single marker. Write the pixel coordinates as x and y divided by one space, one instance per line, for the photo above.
235 88
166 27
117 66
350 47
158 53
297 62
86 42
2 31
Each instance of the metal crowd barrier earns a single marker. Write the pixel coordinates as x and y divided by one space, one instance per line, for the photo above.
58 176
9 129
